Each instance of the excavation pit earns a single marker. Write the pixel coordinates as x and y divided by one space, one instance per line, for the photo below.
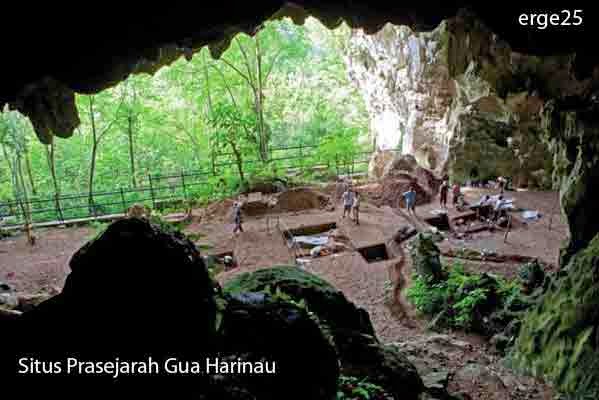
308 237
375 253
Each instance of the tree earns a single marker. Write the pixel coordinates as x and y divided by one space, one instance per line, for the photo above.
229 127
256 57
101 114
14 136
51 159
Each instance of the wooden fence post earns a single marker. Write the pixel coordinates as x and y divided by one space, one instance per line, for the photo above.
58 208
94 208
152 191
183 184
123 201
213 161
301 159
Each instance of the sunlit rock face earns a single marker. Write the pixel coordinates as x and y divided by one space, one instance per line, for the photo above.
406 87
460 99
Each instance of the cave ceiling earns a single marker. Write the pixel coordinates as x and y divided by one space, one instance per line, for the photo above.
53 50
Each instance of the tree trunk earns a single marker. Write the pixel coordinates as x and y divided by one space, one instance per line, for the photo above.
238 160
29 173
52 167
131 149
24 201
13 179
259 98
92 168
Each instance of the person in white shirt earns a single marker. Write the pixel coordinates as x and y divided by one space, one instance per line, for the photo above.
499 205
356 208
483 207
348 201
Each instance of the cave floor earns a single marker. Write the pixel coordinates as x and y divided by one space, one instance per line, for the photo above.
45 266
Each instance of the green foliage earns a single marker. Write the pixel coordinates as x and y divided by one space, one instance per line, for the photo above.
98 229
181 118
352 388
456 300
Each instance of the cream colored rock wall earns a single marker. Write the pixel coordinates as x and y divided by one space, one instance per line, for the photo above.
459 99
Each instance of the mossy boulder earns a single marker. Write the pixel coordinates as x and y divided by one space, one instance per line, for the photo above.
329 304
383 365
259 326
572 135
426 257
559 337
531 276
348 326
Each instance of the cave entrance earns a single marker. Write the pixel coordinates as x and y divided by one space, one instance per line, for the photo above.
375 253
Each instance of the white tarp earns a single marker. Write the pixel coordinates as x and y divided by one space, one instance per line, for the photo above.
311 240
532 215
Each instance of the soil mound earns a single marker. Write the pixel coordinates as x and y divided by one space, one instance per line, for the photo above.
255 208
300 199
267 187
400 175
392 190
221 208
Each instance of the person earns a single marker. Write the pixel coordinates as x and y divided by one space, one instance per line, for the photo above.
348 201
410 199
455 191
237 218
356 208
498 208
443 194
482 208
501 181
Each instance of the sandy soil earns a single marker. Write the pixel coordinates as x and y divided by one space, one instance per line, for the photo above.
45 266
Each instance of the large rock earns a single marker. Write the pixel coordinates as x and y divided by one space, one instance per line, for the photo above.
558 338
8 297
258 326
426 257
360 354
378 162
460 99
134 292
329 304
400 174
383 365
573 137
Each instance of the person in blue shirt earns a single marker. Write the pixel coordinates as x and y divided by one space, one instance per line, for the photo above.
410 199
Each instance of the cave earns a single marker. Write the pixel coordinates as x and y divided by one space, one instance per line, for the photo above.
477 90
375 253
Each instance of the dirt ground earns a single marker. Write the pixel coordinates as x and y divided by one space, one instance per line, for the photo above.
262 245
45 266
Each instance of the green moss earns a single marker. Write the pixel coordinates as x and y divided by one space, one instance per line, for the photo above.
301 287
558 338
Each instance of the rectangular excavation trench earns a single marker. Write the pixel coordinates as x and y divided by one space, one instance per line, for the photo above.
308 237
375 253
303 239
